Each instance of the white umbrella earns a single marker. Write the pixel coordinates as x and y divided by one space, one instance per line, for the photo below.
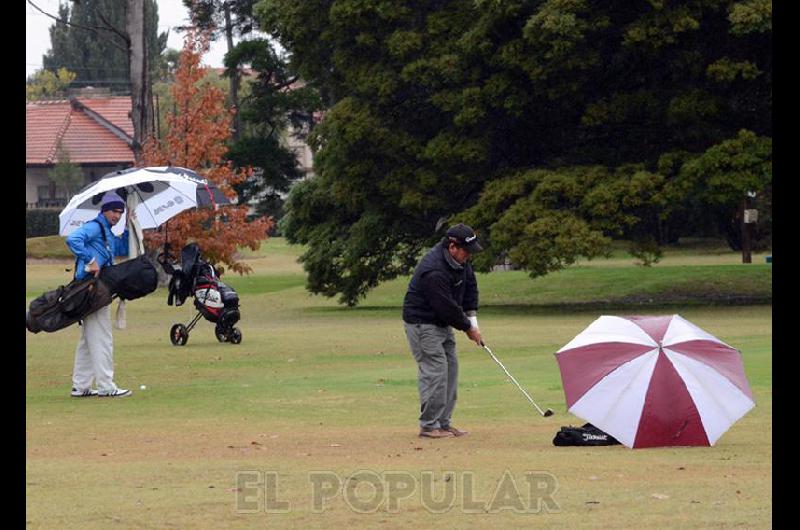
208 194
161 193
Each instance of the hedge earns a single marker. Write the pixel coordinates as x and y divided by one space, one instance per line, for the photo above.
41 222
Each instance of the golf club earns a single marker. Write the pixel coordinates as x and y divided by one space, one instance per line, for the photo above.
545 413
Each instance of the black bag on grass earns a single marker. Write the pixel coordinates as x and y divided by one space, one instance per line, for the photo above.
131 279
588 434
62 307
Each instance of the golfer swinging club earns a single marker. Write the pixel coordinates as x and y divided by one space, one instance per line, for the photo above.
442 295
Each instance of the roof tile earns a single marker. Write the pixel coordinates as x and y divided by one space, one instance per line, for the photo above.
86 140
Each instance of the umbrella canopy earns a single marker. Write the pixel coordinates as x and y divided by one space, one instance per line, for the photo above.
156 193
208 194
653 381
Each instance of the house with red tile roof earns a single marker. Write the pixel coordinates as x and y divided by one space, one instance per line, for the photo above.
97 132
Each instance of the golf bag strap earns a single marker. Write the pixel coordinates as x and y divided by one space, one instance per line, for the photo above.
173 288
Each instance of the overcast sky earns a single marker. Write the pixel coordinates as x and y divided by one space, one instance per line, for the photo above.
171 13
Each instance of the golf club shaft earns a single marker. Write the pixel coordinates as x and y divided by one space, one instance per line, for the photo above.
512 378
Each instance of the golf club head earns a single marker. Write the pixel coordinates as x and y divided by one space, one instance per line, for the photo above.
548 412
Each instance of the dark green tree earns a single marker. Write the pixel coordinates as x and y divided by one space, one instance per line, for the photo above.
277 105
230 18
725 177
94 42
430 103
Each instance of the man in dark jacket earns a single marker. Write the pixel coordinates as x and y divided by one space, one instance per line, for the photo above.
442 295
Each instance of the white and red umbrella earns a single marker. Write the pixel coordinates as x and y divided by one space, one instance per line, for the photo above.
653 381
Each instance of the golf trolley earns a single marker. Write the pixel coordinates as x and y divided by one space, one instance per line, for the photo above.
214 301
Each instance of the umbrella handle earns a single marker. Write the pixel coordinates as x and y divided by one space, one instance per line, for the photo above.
211 196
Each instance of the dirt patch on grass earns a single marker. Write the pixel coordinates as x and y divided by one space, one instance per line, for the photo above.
311 445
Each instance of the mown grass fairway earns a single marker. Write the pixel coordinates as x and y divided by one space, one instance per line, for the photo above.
316 387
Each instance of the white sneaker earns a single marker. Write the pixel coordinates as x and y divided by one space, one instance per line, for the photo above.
119 392
83 393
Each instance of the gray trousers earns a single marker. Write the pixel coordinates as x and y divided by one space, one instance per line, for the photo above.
94 355
434 349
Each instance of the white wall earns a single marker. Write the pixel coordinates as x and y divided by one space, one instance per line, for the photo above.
39 176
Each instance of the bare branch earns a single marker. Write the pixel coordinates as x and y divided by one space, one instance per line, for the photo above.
110 27
87 28
289 82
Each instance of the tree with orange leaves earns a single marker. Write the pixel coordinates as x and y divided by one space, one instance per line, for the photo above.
196 139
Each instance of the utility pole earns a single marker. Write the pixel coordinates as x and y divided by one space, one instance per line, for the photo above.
141 86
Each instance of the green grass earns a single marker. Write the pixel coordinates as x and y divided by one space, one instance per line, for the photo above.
316 386
612 287
47 247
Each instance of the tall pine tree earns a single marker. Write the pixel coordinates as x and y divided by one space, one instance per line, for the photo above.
431 103
93 44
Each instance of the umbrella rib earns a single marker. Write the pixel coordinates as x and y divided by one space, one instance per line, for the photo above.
193 199
68 219
701 384
628 384
116 181
709 394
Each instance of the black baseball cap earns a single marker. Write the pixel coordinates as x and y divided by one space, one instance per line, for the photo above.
465 237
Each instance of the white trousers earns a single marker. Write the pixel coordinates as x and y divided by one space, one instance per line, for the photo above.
94 356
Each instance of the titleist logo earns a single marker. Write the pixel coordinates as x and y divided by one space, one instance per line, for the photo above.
594 436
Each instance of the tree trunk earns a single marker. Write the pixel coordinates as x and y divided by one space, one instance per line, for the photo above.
746 227
234 79
141 88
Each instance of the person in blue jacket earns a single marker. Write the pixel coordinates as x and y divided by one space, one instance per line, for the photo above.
95 247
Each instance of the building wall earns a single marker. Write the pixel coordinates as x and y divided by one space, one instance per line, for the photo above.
34 177
37 178
302 152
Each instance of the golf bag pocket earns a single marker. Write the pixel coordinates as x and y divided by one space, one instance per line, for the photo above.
131 279
229 297
587 435
230 300
62 307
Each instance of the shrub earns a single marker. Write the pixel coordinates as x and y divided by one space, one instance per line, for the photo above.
41 222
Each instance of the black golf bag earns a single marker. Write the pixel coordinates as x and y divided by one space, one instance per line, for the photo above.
66 305
62 307
587 434
214 301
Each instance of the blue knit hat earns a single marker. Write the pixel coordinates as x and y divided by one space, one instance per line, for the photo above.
112 201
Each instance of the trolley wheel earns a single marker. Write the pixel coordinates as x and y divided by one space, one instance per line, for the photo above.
221 336
236 336
178 335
